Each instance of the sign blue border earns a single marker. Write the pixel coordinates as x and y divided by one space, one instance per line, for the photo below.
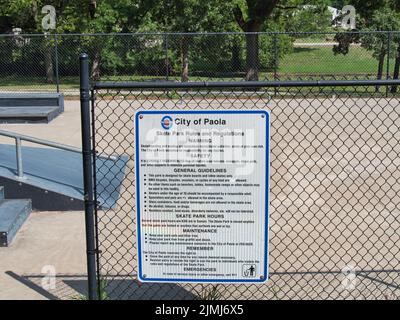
137 175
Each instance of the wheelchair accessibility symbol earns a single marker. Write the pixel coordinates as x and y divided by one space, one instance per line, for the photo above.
249 270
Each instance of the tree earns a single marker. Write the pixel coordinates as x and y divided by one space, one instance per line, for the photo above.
89 17
26 14
106 16
251 21
373 15
189 16
253 15
384 19
395 4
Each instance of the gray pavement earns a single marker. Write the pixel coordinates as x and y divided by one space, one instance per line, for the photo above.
334 203
66 128
334 198
47 241
46 238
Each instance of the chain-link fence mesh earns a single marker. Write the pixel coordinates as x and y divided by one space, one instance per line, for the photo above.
48 62
334 189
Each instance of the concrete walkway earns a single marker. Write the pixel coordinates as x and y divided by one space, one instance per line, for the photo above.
66 128
47 241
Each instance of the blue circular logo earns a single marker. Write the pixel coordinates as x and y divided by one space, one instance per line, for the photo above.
166 122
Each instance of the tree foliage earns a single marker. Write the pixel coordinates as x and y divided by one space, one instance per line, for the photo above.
377 15
172 55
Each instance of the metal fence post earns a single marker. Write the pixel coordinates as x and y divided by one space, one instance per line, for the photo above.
275 60
275 56
389 39
388 60
166 57
56 61
88 175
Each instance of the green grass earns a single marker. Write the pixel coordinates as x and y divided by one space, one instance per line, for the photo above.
31 82
316 38
321 60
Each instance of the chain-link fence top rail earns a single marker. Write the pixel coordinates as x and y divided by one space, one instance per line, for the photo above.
334 187
48 62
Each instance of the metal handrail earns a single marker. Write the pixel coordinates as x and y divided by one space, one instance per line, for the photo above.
20 137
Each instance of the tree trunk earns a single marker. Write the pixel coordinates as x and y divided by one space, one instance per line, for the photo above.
252 57
236 64
185 58
381 63
48 60
95 71
396 69
252 51
259 12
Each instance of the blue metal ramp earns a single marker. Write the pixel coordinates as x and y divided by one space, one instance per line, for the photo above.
13 214
53 178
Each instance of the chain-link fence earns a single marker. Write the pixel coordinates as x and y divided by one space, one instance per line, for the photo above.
48 62
334 187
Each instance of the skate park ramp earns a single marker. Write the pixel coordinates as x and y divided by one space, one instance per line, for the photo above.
53 178
35 107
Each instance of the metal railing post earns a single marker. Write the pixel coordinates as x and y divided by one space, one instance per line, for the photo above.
88 175
18 150
52 144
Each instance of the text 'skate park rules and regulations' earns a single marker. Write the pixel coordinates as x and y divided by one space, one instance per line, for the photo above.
202 185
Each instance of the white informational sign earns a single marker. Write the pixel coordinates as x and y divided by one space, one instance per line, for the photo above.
202 183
